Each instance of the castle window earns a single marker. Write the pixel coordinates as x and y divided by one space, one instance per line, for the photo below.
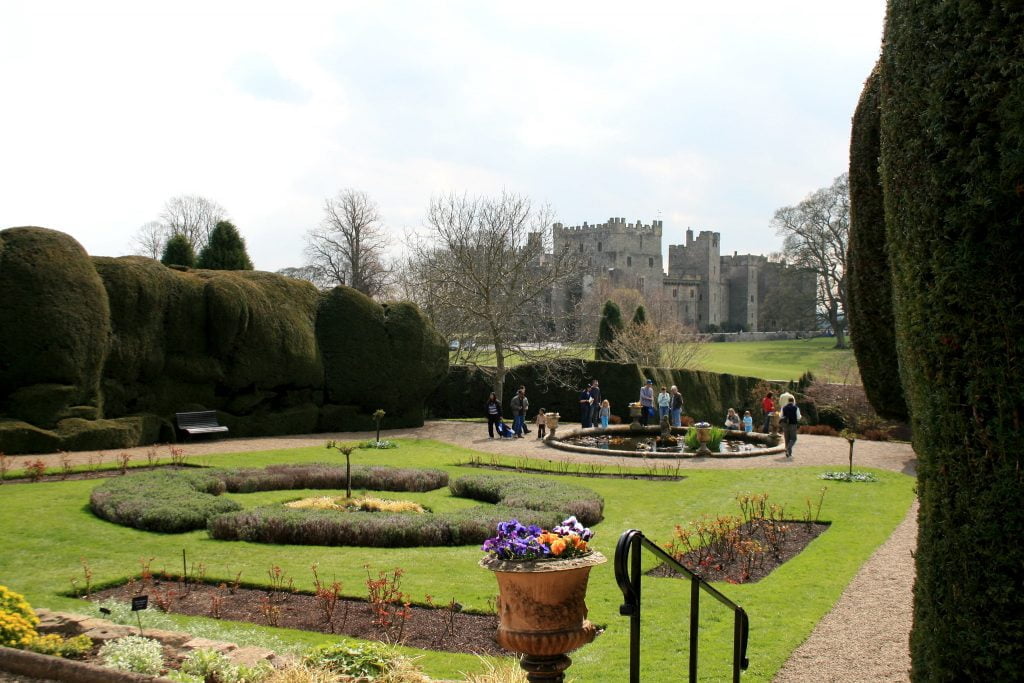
581 247
629 261
599 246
751 298
691 293
641 284
641 242
675 293
650 263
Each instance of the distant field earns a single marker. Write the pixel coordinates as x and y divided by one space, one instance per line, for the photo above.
784 360
781 360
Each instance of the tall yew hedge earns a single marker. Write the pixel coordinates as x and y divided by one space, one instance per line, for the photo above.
869 294
952 140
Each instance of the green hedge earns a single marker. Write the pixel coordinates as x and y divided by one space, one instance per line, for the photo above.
326 476
378 356
170 502
706 395
952 140
869 293
54 326
531 501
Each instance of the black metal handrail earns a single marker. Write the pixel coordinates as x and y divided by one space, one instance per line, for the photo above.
628 574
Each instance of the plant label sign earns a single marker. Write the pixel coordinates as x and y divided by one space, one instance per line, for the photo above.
140 603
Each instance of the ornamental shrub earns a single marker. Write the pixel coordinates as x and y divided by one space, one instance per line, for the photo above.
225 250
133 653
327 476
611 324
952 141
15 630
57 646
170 502
178 252
366 661
869 286
545 495
15 603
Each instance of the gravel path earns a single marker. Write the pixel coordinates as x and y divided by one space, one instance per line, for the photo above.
863 638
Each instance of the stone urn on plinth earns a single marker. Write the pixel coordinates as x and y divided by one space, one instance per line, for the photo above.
551 420
703 437
634 412
775 422
542 611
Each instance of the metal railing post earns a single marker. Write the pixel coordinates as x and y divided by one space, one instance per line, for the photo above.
694 625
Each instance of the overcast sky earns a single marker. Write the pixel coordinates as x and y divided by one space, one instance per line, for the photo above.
707 115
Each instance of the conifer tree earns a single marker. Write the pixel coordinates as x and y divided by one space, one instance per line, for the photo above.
611 325
640 316
225 250
178 252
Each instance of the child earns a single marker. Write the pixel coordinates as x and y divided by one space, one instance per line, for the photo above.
748 422
542 423
504 431
606 413
732 420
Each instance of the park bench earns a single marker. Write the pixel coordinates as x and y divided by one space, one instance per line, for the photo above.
202 422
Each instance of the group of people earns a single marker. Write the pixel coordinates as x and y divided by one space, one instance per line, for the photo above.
596 411
789 417
519 405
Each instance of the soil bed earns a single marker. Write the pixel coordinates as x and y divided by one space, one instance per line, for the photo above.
736 569
426 628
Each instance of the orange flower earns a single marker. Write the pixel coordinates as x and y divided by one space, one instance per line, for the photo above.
558 546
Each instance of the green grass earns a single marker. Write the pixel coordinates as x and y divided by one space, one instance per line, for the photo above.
776 360
782 360
48 528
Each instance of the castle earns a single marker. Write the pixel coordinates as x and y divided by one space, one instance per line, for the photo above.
702 289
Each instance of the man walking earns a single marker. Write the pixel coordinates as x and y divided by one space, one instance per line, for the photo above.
790 423
519 405
586 409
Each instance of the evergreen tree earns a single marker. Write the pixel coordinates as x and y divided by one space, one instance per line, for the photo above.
640 316
225 250
178 252
611 325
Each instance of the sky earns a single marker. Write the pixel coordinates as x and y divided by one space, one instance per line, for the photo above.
705 115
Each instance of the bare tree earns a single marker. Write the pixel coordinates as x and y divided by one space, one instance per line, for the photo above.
150 240
309 274
669 345
193 216
485 279
348 247
816 234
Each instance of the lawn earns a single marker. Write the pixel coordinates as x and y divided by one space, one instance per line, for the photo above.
49 528
776 360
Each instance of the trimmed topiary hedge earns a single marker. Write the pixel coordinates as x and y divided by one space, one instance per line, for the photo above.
531 501
326 476
161 501
869 289
533 494
378 356
952 141
54 326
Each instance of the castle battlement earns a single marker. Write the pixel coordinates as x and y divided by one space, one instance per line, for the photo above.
614 224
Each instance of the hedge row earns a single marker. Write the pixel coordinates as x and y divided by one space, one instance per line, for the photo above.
869 289
952 142
326 476
171 502
278 524
533 494
531 501
707 395
119 337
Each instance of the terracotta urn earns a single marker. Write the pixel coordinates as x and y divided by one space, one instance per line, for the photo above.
542 611
775 423
552 422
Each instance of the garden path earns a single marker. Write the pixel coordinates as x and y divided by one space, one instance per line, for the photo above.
863 638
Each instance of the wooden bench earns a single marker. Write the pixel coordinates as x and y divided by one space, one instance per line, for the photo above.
203 422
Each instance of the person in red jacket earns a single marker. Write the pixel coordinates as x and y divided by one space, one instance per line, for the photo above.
768 406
